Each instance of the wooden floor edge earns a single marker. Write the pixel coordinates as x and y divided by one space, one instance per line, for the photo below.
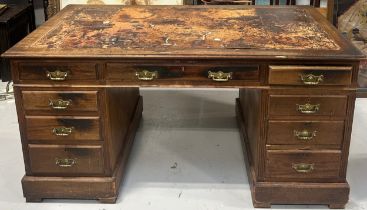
265 194
36 188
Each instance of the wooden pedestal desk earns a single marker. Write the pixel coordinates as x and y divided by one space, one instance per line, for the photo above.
77 79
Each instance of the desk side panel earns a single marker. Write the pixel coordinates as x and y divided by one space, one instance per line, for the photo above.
120 108
253 111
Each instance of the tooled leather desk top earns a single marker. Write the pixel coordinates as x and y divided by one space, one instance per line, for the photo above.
139 30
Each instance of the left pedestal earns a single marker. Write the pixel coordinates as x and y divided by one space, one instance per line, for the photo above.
76 142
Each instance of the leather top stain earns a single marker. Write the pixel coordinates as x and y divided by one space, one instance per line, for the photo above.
160 29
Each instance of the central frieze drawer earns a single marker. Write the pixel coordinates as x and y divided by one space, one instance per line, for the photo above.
303 164
62 72
60 102
63 128
310 75
305 132
304 105
117 71
66 160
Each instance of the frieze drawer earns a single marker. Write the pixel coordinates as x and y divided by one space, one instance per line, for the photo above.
209 74
304 105
57 74
60 102
63 128
305 132
303 164
310 75
66 160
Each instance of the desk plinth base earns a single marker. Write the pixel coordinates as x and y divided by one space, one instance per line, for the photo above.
264 194
104 189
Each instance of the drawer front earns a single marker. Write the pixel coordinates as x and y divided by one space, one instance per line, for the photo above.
303 105
310 75
305 132
66 160
63 128
303 164
57 73
146 74
60 102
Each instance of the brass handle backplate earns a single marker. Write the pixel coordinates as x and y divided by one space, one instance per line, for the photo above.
62 131
308 108
310 79
219 76
146 75
303 167
57 75
59 104
65 162
305 135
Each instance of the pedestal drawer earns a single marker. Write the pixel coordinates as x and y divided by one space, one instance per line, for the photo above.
63 128
66 160
308 105
303 164
60 102
310 75
305 132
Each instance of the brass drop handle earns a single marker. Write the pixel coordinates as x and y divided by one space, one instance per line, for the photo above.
303 167
305 135
310 79
308 108
62 131
65 162
219 76
59 104
146 75
57 75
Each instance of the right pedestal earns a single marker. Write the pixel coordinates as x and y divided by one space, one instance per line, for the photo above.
296 145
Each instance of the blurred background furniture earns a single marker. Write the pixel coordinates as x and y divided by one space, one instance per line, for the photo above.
331 9
326 7
353 23
15 23
51 7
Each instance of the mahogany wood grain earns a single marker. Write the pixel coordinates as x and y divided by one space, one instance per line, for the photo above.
326 132
29 72
102 188
251 101
121 106
287 105
82 128
264 194
326 164
118 71
44 160
291 75
80 101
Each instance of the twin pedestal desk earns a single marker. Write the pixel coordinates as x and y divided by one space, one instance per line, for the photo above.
77 78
